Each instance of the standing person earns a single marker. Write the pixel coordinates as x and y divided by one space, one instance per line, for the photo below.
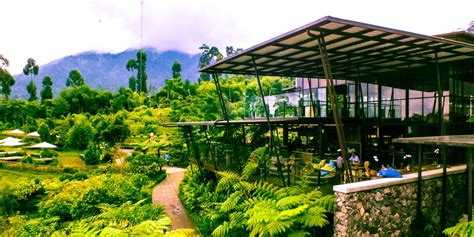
167 158
340 166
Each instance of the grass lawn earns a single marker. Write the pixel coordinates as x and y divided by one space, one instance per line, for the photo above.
10 177
71 159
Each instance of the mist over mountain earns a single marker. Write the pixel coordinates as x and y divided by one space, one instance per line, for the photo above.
108 71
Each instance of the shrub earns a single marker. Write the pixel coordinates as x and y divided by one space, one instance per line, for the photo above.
147 164
48 153
92 155
81 199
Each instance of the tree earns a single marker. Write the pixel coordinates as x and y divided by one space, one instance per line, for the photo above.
176 69
132 81
6 79
229 50
31 69
141 74
208 54
31 88
47 91
140 65
74 79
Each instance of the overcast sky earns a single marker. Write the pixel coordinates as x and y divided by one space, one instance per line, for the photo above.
47 30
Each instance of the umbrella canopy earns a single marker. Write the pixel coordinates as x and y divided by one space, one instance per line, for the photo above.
9 139
16 132
33 134
12 143
43 145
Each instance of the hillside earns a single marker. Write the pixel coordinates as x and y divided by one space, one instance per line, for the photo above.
108 71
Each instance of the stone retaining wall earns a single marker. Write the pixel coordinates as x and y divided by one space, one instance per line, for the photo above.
391 210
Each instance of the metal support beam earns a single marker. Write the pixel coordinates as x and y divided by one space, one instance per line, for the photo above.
470 153
335 110
441 131
313 107
270 127
221 98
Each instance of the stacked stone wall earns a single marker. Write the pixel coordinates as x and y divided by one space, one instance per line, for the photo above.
390 211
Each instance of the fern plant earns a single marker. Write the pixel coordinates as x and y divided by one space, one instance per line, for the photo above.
465 229
261 209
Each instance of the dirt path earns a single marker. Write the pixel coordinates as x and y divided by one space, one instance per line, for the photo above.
166 194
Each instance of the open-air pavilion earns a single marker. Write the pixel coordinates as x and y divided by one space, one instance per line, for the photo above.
365 83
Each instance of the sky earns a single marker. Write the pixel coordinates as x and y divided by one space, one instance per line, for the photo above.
47 30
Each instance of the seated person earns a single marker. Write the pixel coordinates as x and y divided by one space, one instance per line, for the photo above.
327 168
354 159
368 172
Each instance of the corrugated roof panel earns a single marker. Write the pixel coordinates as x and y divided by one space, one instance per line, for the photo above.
407 39
464 50
268 49
295 39
332 26
262 60
285 52
224 66
423 42
395 48
331 37
240 67
277 62
392 36
242 58
303 54
310 44
373 33
362 44
343 42
355 29
454 58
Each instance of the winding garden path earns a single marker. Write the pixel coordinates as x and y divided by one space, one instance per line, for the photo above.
166 194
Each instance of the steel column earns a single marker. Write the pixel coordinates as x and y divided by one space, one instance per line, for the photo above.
270 128
221 98
470 153
335 111
441 131
311 98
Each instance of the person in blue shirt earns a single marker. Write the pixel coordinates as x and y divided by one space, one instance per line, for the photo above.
167 158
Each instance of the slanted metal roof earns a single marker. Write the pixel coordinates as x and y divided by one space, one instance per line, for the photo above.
350 44
452 140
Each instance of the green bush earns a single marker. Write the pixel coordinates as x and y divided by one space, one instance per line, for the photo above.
81 198
92 155
147 164
47 153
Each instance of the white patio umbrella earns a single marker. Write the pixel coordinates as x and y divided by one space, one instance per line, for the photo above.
9 139
33 134
12 143
43 145
16 132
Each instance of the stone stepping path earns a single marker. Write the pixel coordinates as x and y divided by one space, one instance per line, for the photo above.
166 194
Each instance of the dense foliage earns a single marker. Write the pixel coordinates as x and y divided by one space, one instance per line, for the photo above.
236 207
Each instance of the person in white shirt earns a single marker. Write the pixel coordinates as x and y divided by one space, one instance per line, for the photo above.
354 158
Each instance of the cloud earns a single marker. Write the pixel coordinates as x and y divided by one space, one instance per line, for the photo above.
50 29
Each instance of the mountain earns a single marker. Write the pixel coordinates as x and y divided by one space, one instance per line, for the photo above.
108 71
